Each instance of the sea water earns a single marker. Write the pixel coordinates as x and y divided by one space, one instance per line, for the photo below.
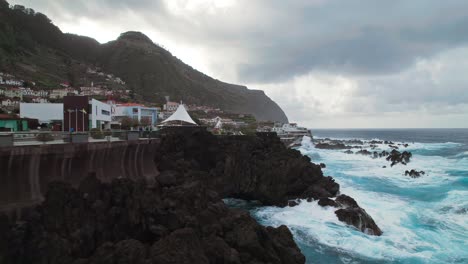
424 220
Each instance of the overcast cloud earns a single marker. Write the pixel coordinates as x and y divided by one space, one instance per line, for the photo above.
328 63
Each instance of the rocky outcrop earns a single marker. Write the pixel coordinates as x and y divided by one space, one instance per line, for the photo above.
397 157
129 222
352 214
331 146
250 168
364 152
414 173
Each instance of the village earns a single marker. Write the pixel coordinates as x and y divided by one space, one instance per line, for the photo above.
25 107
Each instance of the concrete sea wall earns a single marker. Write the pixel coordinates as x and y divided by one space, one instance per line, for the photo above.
26 171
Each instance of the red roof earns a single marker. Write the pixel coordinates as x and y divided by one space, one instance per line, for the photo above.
9 117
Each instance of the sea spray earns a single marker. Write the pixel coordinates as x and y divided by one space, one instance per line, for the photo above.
424 219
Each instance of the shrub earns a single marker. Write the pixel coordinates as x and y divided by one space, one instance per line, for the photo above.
107 132
96 133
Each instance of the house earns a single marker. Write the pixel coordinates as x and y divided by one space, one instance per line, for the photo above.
13 92
40 100
60 93
42 93
171 106
26 91
12 82
10 102
13 123
89 91
65 85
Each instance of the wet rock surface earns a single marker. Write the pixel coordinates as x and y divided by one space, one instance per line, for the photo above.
397 157
250 168
332 146
414 173
351 213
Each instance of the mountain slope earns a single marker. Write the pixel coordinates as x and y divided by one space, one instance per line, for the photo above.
35 49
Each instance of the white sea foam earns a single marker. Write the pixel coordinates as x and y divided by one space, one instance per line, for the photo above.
435 167
415 230
321 224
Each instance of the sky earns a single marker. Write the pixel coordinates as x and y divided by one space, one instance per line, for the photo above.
327 63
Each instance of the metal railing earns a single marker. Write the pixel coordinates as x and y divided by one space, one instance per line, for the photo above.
8 139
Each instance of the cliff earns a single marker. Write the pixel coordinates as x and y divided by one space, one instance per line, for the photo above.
34 49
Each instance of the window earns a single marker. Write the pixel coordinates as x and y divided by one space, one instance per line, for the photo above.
105 112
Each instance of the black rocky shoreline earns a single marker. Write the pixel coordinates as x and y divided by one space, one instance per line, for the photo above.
359 147
180 217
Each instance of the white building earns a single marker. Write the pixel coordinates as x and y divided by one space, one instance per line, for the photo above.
40 100
60 93
13 82
100 116
45 113
13 92
42 93
135 111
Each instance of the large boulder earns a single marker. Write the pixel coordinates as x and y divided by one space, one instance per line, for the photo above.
358 218
351 213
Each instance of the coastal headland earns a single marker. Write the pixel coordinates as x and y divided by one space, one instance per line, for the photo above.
158 201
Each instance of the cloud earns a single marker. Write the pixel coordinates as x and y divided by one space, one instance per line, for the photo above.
431 93
277 40
336 63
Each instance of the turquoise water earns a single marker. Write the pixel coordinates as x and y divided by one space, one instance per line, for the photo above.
425 220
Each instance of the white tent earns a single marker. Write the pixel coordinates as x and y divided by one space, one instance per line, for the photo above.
180 115
219 125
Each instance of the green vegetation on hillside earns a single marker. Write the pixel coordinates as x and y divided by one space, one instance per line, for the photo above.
33 48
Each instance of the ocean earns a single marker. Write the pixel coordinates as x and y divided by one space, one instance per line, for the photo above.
424 220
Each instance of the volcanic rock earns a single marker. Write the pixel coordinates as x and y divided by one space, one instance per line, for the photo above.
364 152
128 222
327 202
332 146
358 217
414 173
354 215
397 157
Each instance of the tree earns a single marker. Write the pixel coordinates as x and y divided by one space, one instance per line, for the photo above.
126 123
135 123
146 122
4 5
